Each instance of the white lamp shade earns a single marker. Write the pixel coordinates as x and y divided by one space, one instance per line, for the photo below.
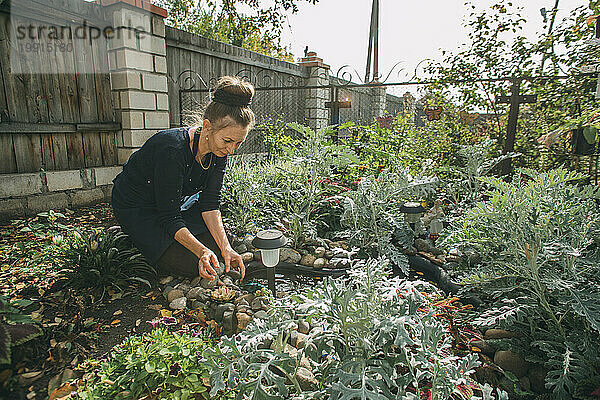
270 258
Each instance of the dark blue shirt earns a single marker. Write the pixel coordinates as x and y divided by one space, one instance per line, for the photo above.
161 176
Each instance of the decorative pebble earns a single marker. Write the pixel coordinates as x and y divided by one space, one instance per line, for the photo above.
328 254
243 319
319 263
259 303
512 362
195 293
320 252
196 281
303 327
261 314
289 255
196 304
228 321
422 245
221 309
184 287
206 284
247 257
308 260
178 304
165 279
306 379
248 298
498 334
242 248
234 274
174 294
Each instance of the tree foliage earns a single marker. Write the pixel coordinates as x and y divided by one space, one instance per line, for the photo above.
245 23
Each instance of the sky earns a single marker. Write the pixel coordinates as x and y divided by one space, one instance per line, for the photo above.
410 30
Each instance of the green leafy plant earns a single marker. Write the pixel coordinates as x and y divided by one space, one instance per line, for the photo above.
374 340
16 327
538 239
102 259
161 364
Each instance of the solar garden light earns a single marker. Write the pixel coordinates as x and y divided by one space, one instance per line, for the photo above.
412 213
269 242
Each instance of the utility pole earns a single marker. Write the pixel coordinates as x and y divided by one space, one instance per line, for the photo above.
373 44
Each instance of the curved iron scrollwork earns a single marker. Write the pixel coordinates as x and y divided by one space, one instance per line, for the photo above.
346 75
190 80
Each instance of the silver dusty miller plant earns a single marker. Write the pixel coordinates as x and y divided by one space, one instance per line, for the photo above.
538 236
373 341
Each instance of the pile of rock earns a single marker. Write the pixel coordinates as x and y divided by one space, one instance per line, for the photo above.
531 377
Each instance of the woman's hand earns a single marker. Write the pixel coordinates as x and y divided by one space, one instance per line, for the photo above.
208 264
232 258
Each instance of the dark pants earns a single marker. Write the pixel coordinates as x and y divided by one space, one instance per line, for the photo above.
177 260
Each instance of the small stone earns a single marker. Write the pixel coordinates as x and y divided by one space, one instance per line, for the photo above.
303 327
306 379
165 279
319 263
178 304
206 284
242 308
234 274
248 297
340 262
305 362
229 321
259 303
328 242
196 281
289 255
248 241
195 293
261 314
226 280
512 362
196 304
167 289
242 303
300 340
174 294
247 257
328 254
308 260
320 252
221 270
184 287
242 248
243 319
422 245
221 309
537 379
498 334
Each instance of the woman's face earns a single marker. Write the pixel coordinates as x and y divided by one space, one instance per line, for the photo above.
225 141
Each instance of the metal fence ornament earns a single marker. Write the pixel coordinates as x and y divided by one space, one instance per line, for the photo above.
434 113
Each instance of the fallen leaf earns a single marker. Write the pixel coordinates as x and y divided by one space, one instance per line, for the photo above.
138 322
52 342
63 391
116 321
118 312
155 307
165 313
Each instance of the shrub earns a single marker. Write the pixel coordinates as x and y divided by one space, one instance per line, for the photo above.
540 246
101 259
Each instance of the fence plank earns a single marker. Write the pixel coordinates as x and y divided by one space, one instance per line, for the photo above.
59 149
47 152
173 68
65 64
102 79
17 108
86 85
27 152
8 165
108 145
75 154
51 86
91 149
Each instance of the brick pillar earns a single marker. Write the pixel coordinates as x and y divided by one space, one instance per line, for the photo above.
378 101
138 72
316 115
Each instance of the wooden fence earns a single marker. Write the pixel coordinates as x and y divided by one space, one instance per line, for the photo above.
62 119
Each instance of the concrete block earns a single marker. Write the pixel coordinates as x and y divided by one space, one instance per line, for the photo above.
135 18
160 64
314 102
132 120
162 101
158 26
156 120
11 208
137 137
154 83
317 113
63 180
153 44
112 60
122 37
116 100
13 185
105 175
123 154
46 202
125 80
107 189
138 100
81 198
133 59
